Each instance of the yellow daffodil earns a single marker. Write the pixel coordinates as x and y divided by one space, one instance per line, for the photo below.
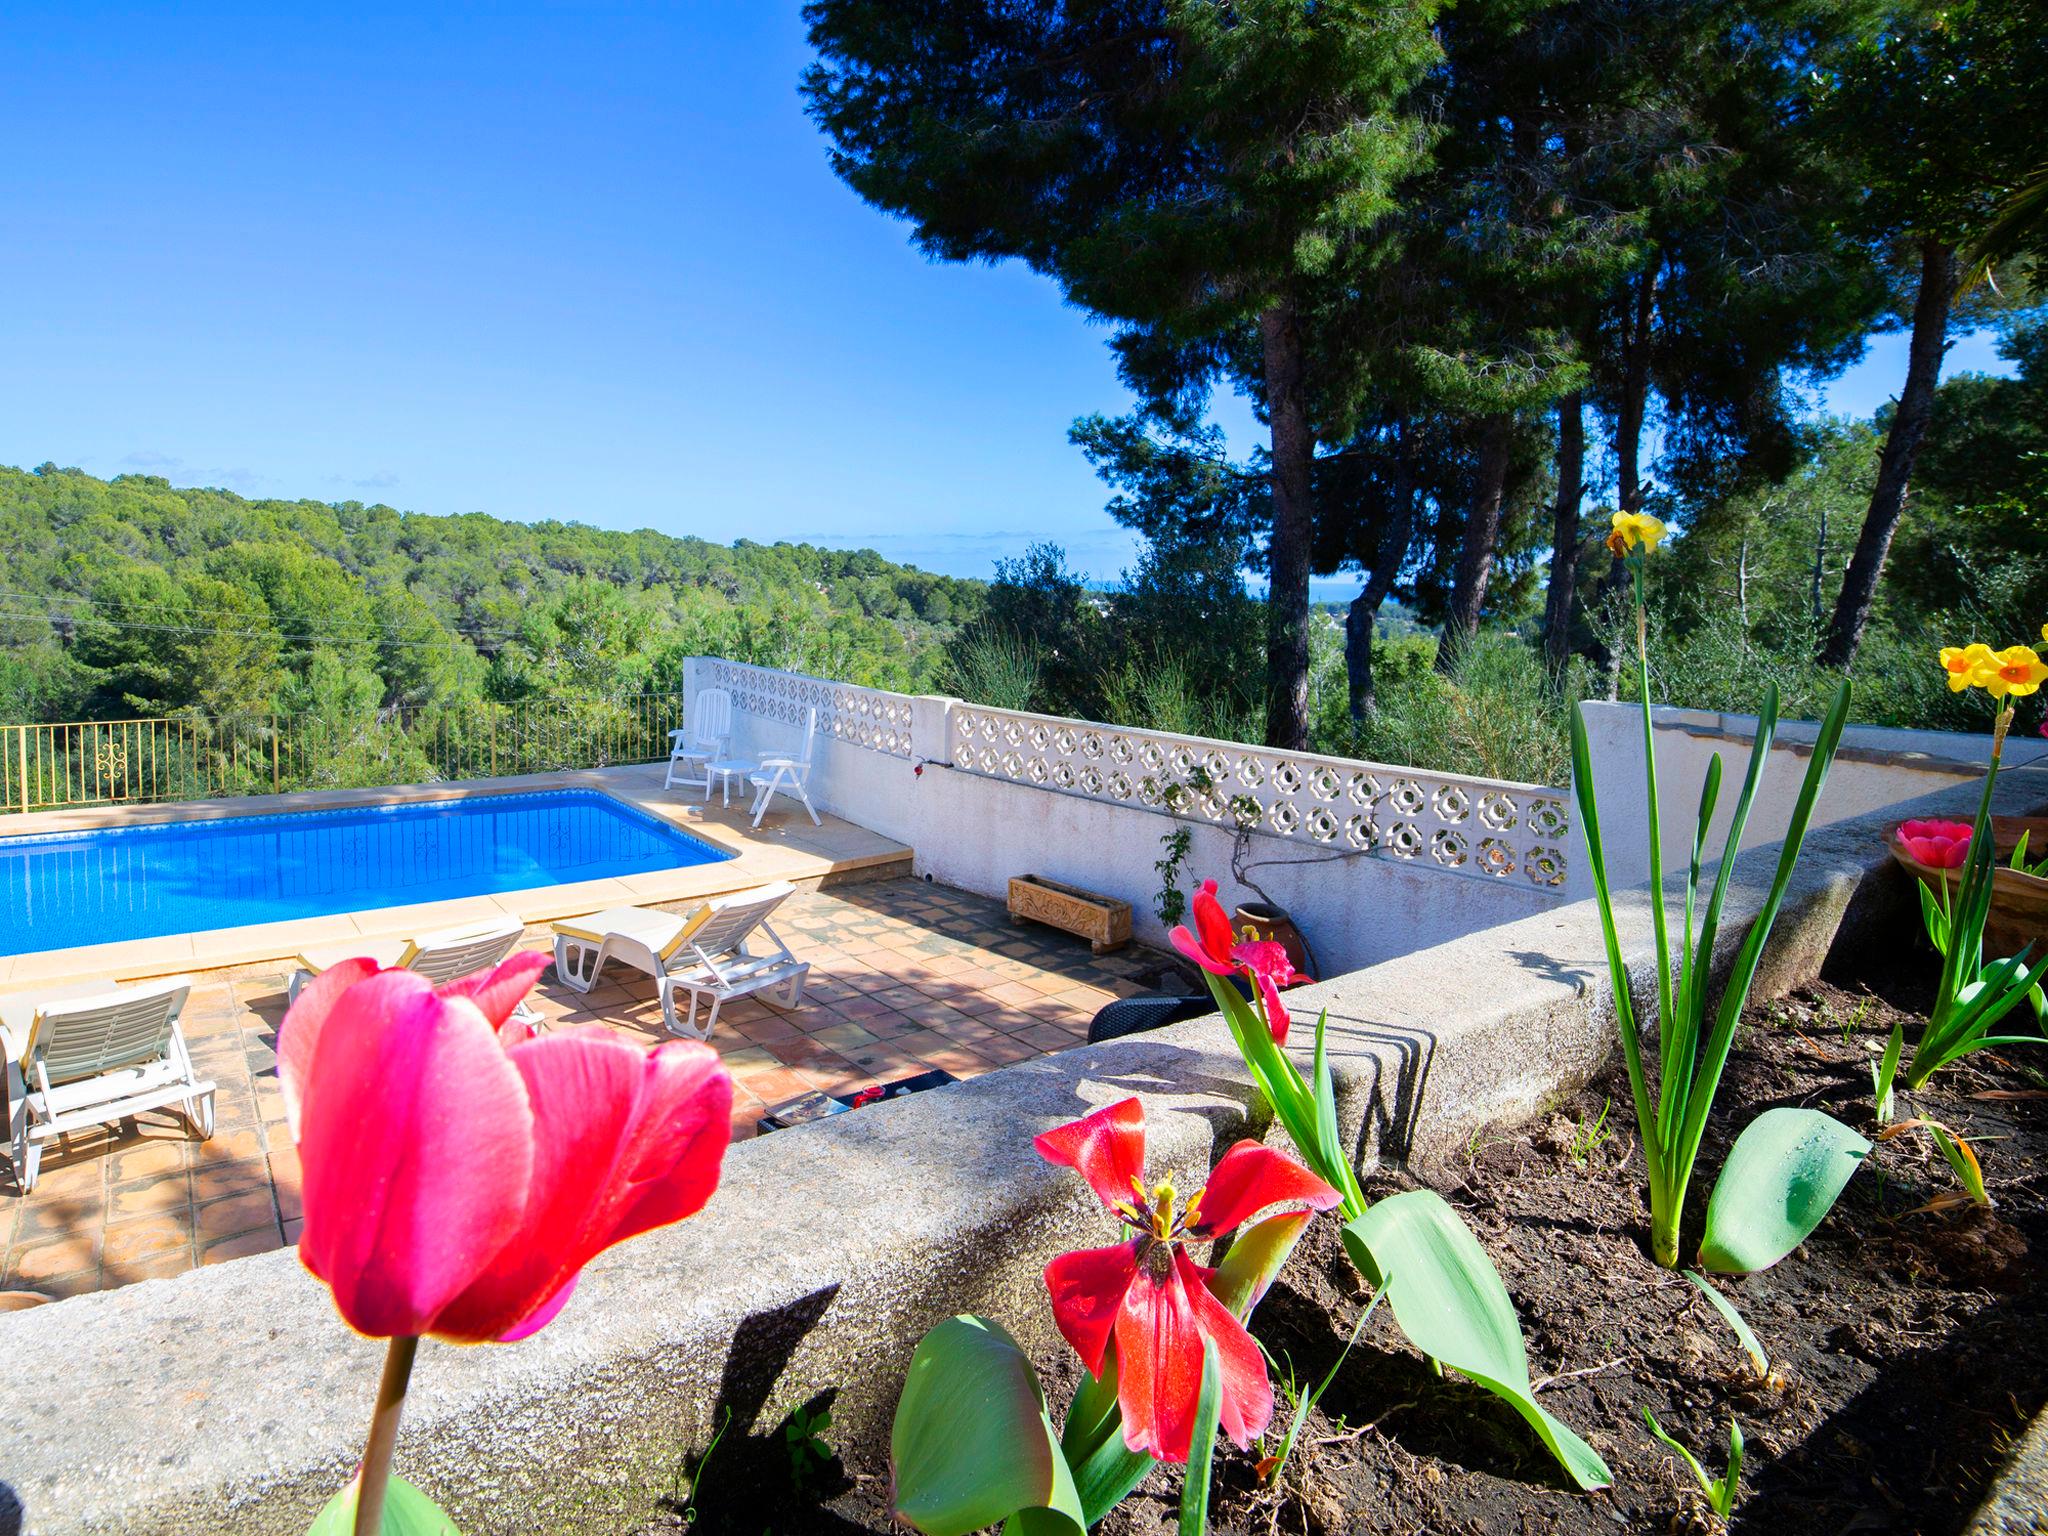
1966 665
1633 529
2016 670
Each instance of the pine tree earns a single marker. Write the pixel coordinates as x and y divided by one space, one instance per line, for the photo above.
1198 174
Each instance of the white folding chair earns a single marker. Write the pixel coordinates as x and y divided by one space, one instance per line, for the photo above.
787 775
79 1057
700 741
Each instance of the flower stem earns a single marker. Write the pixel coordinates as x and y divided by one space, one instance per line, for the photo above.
376 1474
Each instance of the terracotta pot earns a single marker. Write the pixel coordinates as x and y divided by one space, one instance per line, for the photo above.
1259 920
2019 903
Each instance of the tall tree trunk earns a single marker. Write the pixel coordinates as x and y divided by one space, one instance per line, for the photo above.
1389 554
1630 491
1564 531
1901 445
1287 552
1482 530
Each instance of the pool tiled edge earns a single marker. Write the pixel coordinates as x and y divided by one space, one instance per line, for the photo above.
787 847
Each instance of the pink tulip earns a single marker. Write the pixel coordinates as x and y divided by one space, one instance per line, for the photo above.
1937 844
460 1169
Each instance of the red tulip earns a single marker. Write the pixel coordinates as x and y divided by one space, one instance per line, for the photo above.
1212 950
460 1170
1937 844
1149 1295
1219 951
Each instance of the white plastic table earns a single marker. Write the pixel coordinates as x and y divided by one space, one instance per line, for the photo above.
725 771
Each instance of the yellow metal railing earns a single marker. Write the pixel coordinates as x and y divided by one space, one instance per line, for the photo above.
199 757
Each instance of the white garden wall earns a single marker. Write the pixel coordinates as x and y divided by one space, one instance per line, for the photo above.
1373 861
1875 768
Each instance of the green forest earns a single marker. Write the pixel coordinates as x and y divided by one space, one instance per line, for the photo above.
131 597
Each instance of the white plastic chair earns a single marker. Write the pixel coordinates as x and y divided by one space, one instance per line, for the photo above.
91 1055
700 740
787 775
703 954
448 955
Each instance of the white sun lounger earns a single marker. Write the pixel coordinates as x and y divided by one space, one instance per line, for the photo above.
449 955
91 1054
702 954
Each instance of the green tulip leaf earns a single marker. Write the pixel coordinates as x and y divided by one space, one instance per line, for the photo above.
1448 1299
407 1512
972 1444
1744 1334
1782 1176
1255 1260
1194 1493
1105 1469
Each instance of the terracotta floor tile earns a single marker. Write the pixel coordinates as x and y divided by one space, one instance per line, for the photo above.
263 1240
777 1086
157 1266
41 1217
237 1214
148 1156
1003 1052
150 1197
81 1283
842 1037
33 1263
213 1180
959 1060
68 1172
886 1064
886 1026
1048 1037
231 1146
136 1240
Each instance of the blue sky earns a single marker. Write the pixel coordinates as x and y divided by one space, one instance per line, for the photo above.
579 262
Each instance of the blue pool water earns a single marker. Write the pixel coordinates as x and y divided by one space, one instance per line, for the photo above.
136 882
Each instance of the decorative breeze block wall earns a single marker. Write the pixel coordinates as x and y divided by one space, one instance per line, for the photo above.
866 717
1485 828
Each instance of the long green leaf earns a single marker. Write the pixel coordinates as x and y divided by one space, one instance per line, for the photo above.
407 1512
1194 1493
1448 1299
1308 1399
1782 1176
1747 958
972 1443
1744 1335
1624 998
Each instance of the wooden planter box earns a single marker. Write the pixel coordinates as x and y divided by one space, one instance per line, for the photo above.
2019 903
1103 921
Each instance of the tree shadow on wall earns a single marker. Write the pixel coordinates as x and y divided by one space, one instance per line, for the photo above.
760 1476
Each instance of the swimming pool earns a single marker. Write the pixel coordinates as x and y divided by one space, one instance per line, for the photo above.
148 879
